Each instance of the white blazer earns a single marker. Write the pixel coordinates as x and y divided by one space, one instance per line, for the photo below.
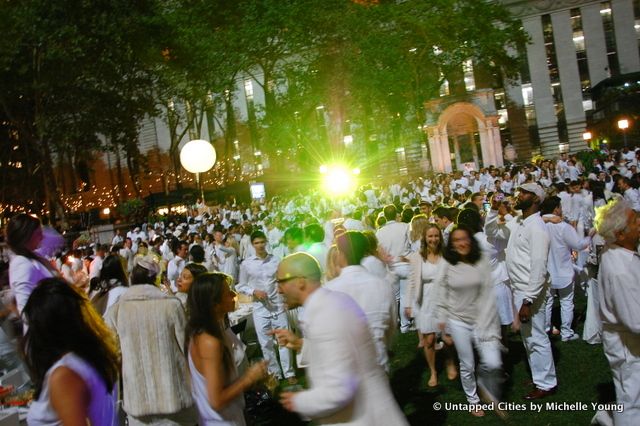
347 386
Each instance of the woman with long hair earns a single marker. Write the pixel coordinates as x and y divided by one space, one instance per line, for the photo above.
425 266
418 225
467 306
110 285
27 267
72 357
216 355
186 279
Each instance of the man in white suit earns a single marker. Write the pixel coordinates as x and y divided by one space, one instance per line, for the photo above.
619 296
346 384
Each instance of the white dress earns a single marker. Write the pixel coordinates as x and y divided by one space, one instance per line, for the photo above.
425 320
233 413
101 410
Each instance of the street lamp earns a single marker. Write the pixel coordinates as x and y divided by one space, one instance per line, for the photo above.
623 125
586 136
198 156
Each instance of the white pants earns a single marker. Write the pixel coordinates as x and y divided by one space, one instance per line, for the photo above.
504 302
402 271
622 350
566 309
537 344
490 360
266 322
592 331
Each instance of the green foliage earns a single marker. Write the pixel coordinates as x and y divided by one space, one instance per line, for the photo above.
134 210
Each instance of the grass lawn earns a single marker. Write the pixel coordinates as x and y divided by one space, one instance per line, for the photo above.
583 377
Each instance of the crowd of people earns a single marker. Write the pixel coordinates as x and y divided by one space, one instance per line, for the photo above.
139 327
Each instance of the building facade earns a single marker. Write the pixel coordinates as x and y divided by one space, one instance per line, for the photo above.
574 45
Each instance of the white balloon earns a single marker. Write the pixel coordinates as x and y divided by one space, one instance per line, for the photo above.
197 156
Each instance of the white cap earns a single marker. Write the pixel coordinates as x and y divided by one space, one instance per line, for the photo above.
534 188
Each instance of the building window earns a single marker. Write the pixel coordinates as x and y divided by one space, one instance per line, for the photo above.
248 89
636 14
581 56
444 87
527 94
469 80
610 38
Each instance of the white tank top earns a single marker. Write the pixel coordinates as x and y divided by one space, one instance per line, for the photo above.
233 413
101 410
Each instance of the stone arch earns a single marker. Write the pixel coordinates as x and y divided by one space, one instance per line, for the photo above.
458 119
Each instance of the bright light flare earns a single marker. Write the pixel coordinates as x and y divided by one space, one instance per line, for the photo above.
338 180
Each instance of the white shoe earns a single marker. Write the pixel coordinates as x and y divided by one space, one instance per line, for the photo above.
574 336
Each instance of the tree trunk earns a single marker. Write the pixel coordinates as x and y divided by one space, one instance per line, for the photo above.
56 209
119 172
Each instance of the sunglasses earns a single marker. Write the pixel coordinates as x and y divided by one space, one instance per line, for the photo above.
287 279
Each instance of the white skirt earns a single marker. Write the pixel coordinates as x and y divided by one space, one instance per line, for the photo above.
425 320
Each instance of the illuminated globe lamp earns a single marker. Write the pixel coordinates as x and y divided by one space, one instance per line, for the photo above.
198 156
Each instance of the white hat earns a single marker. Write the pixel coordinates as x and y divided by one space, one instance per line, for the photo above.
149 265
534 188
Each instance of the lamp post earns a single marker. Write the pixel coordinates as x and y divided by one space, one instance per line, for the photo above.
623 125
198 156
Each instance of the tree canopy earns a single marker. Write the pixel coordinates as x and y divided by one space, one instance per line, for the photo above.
73 70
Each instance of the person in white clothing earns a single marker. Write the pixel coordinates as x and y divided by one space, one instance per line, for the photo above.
346 384
563 238
445 218
257 279
372 294
465 304
526 258
26 267
425 267
217 360
73 356
393 238
630 194
314 244
619 296
117 238
96 263
493 250
176 265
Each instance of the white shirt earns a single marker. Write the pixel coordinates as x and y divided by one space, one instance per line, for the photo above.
619 293
375 298
632 197
393 237
351 224
101 410
174 269
527 253
95 267
260 274
562 239
319 251
375 266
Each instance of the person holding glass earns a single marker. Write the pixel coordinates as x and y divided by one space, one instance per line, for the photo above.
217 360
